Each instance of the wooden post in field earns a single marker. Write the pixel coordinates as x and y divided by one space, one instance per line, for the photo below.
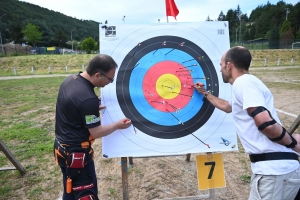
12 159
294 125
292 61
124 178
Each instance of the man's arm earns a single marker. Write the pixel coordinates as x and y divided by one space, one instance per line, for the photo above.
101 131
215 101
274 130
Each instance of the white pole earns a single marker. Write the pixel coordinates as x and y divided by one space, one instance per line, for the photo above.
49 70
265 62
278 62
72 39
292 61
15 71
82 68
66 68
32 70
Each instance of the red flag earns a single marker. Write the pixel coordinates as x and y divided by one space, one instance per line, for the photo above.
171 8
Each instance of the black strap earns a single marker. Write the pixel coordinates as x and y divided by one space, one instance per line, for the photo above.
293 144
265 124
280 136
273 156
259 109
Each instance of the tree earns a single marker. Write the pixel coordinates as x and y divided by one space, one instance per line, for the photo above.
60 39
88 45
32 34
208 19
221 16
274 38
286 25
17 35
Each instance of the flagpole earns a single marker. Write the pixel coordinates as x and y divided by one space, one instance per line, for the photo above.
166 11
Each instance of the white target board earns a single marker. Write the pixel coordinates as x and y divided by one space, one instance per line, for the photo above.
158 64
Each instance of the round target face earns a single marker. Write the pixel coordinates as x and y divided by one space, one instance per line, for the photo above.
156 86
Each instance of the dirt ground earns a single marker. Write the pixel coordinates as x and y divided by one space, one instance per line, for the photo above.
170 177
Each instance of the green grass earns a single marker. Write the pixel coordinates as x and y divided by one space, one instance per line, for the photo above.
27 108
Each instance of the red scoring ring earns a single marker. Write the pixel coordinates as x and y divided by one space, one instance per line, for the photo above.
149 86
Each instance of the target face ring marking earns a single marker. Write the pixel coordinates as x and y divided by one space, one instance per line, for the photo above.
155 87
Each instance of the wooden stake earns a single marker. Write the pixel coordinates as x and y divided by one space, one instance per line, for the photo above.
124 178
294 125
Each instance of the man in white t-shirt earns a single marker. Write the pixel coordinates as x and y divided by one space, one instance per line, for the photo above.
272 150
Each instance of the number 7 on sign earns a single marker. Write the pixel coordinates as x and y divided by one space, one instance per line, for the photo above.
210 170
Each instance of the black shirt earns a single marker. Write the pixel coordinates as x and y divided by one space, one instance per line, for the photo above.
77 110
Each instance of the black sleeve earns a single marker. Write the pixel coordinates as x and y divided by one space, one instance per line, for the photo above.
89 111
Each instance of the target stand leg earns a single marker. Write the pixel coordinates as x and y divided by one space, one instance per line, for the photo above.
12 159
124 170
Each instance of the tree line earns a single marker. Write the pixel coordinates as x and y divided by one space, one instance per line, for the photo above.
23 22
43 26
279 24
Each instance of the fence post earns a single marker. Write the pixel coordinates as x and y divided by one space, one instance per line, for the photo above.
15 71
82 68
50 72
265 63
278 62
66 68
32 70
292 61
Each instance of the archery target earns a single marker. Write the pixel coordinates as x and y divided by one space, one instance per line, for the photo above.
156 82
154 87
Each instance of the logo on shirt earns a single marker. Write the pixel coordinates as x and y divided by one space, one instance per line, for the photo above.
91 119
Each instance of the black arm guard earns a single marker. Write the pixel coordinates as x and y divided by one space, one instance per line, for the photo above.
280 137
294 142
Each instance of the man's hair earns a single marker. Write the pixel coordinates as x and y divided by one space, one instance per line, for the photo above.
239 56
101 63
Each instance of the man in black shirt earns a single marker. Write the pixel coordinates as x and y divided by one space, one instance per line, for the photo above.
77 125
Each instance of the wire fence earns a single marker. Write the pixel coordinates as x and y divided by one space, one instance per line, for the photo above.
67 69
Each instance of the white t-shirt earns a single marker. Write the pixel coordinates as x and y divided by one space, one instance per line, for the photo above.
249 91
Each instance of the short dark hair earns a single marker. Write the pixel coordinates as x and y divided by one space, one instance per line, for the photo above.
239 56
101 63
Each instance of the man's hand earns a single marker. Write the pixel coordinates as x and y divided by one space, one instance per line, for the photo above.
200 88
101 107
124 123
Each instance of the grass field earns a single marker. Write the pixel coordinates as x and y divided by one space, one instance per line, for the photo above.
27 111
60 64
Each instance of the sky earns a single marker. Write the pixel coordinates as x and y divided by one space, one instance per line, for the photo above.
151 11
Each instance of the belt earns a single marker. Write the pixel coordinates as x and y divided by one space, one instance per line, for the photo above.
273 156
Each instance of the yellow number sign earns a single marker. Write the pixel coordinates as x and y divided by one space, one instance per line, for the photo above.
210 170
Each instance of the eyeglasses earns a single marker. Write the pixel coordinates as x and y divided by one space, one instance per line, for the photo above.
110 79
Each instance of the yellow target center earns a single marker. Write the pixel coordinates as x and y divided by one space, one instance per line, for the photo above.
168 86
